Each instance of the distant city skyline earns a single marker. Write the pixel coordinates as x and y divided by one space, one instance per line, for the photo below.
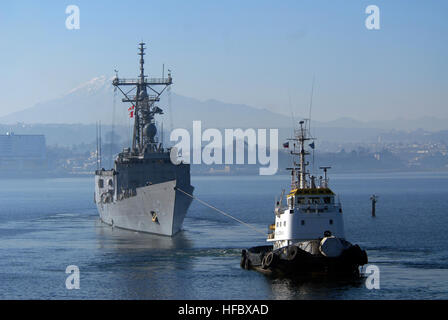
258 53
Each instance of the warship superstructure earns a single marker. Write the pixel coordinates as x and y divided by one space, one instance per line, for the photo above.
308 234
139 192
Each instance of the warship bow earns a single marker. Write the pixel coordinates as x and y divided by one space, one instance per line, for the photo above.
139 192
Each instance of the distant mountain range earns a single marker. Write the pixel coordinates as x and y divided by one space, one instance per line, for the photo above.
70 119
426 123
94 100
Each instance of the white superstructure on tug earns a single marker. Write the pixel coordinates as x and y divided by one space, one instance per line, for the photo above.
308 233
311 209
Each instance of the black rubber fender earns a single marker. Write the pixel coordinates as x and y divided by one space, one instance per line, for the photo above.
247 264
243 258
292 253
363 259
355 254
359 255
269 260
243 261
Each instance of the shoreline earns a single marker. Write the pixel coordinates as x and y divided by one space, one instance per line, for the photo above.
224 175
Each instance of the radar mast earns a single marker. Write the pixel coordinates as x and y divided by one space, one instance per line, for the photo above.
143 105
298 170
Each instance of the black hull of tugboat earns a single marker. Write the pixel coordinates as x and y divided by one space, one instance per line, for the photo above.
295 262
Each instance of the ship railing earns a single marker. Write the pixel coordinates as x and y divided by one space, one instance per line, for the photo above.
159 81
319 208
147 81
133 98
280 210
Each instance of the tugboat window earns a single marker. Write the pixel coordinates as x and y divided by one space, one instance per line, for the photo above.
303 222
331 221
111 183
101 183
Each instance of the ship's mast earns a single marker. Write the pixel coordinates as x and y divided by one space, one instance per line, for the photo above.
143 105
303 153
298 171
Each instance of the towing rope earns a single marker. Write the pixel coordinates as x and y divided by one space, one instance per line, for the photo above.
220 211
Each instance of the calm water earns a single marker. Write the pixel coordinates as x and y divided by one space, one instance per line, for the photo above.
46 225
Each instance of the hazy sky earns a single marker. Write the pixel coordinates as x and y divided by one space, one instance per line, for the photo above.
260 53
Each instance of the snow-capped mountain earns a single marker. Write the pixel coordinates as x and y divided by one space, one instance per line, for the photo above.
94 100
84 104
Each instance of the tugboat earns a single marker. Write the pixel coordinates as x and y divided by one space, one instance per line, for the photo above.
308 234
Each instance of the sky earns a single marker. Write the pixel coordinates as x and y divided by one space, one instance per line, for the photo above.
260 53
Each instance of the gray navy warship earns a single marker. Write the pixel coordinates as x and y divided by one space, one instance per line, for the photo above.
140 192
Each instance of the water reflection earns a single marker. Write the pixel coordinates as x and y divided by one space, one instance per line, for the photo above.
121 239
144 266
313 288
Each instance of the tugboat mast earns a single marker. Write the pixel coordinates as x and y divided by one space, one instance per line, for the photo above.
298 171
143 105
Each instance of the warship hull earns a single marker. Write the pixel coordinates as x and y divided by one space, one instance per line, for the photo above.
157 209
145 190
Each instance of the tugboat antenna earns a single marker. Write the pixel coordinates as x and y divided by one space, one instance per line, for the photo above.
311 104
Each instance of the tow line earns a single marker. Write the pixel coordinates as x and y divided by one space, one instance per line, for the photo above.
220 211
